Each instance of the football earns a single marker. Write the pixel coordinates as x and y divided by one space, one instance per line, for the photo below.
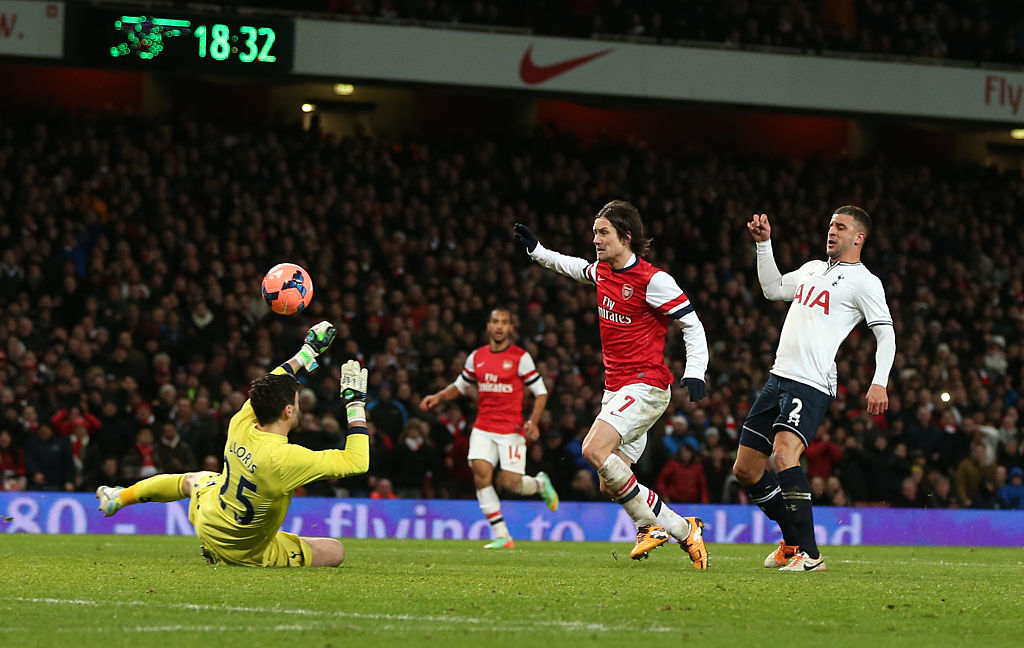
287 289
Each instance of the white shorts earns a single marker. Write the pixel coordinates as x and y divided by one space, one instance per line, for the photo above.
508 450
632 411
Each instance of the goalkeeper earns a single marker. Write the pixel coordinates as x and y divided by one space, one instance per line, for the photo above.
237 514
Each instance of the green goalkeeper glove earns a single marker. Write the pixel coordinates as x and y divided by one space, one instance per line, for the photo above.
318 339
353 391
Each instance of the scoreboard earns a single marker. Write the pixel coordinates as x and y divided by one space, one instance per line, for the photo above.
152 39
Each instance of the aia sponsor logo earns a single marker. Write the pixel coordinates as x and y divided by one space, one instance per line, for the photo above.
807 297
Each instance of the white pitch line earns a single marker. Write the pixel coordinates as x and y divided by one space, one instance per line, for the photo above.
484 624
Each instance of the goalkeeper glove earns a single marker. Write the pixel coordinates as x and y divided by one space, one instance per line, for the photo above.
318 338
353 391
525 237
698 388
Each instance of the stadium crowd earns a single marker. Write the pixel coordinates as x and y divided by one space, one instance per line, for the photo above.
131 251
967 30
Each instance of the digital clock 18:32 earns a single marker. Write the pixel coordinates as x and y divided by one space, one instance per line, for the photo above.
150 39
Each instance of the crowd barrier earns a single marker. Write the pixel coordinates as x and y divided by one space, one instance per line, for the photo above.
76 513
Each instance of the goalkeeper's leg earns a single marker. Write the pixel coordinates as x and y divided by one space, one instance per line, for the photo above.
158 488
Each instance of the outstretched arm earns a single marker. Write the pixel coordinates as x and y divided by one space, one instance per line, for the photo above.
451 392
573 267
774 284
461 385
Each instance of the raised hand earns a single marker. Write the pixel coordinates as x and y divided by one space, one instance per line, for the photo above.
525 237
353 391
759 228
318 339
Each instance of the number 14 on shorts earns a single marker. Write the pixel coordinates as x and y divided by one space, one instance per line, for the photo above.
515 453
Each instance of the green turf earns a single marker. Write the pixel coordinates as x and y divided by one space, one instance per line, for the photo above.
110 591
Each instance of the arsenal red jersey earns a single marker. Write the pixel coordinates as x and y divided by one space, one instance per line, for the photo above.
500 377
634 305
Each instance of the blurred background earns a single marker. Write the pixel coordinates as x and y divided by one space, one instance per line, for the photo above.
157 158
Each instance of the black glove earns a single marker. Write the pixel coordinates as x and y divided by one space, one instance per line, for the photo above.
698 388
525 237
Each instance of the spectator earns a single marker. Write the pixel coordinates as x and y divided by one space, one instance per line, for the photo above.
141 460
717 470
970 475
173 455
390 416
822 456
942 495
682 479
909 497
1011 496
48 461
583 488
382 490
414 461
12 464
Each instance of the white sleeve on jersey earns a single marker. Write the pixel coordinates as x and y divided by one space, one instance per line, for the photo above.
774 284
696 341
576 268
531 378
665 295
885 353
467 378
872 305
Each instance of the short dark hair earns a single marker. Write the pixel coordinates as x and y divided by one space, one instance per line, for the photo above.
625 218
859 215
270 394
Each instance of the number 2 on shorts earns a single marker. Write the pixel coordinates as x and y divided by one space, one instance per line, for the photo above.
794 415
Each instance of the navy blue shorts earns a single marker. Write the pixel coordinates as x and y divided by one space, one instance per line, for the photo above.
784 404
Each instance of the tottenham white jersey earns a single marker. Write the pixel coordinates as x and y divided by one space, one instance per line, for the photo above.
828 302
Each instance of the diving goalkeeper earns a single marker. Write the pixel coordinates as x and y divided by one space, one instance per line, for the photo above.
237 514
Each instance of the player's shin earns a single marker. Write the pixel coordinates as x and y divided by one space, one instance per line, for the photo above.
490 506
528 485
158 488
625 490
674 523
796 491
767 495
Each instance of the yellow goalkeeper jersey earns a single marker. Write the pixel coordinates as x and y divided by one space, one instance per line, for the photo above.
240 510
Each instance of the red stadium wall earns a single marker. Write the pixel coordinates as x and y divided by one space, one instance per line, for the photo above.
792 135
70 88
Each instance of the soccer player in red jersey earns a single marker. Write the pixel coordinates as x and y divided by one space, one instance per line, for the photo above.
635 302
501 372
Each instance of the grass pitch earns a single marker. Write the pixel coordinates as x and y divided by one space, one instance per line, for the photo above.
157 591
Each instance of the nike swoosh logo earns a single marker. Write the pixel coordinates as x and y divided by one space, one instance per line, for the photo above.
532 74
810 567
